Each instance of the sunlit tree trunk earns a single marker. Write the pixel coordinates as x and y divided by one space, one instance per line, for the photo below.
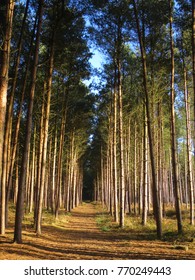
21 190
111 189
6 19
115 181
189 146
8 126
145 173
60 154
17 126
39 160
156 205
120 115
173 133
45 137
193 54
32 182
121 152
135 169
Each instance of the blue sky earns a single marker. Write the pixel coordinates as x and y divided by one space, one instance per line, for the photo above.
97 59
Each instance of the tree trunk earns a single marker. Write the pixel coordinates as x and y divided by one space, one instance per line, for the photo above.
6 19
60 153
45 138
17 126
193 54
32 183
115 180
53 180
39 160
135 170
20 199
153 166
121 152
189 146
8 125
173 134
145 171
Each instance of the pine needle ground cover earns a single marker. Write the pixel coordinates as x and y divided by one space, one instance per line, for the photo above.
89 233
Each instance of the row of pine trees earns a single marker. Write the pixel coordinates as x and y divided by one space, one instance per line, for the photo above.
146 107
48 111
130 132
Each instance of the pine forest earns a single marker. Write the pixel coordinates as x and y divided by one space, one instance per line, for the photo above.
97 129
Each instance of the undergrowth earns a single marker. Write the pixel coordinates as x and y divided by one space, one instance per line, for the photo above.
48 218
135 230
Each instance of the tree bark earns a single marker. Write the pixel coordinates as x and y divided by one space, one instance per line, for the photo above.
173 134
60 154
45 138
115 178
156 205
188 145
6 19
18 119
145 171
20 199
193 54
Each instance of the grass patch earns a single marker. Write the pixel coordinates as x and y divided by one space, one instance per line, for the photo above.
134 229
104 221
48 218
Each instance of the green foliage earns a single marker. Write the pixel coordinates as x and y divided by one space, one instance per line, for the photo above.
104 222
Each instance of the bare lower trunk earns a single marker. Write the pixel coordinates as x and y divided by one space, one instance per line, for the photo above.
60 154
8 126
193 54
6 17
121 152
20 199
115 181
189 147
156 201
45 138
145 175
17 128
173 134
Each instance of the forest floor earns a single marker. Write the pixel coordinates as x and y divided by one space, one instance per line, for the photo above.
88 233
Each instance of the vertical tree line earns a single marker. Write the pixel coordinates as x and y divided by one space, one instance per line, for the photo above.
156 124
129 139
6 15
49 109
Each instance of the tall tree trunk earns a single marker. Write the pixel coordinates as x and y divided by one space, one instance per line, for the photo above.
193 54
120 115
8 125
173 134
153 166
121 152
189 145
115 178
53 176
20 199
6 19
135 169
45 137
18 117
32 183
60 154
39 160
145 171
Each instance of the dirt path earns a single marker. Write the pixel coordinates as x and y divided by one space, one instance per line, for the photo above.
80 238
